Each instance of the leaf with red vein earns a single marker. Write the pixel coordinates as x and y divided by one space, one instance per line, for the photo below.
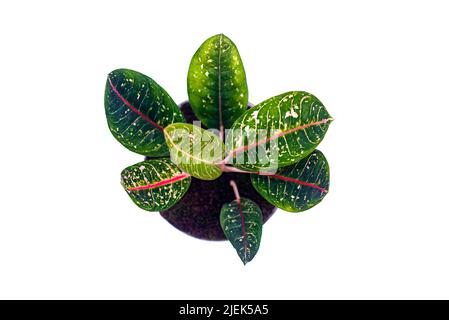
138 110
155 184
241 221
277 132
160 183
298 187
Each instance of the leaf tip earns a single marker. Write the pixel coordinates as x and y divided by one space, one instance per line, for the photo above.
244 258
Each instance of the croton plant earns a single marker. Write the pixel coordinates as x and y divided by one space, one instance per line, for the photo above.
223 176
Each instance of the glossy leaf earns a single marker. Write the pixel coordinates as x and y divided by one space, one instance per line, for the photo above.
216 83
241 222
156 184
195 150
137 110
297 187
278 132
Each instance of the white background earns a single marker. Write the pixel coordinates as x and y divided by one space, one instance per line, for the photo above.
68 230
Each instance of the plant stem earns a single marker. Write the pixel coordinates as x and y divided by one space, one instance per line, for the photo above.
233 169
236 190
225 160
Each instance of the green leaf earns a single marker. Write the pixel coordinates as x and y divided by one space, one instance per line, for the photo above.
297 187
137 110
278 132
216 83
156 184
242 225
195 150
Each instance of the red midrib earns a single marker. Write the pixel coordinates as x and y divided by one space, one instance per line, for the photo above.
303 183
132 107
280 134
160 183
245 242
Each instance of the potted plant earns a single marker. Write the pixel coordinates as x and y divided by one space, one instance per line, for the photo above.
223 176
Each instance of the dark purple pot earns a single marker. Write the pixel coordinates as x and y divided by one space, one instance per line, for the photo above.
198 212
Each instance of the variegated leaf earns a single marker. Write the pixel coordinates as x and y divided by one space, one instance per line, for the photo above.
297 187
195 150
137 110
216 83
241 221
156 184
278 132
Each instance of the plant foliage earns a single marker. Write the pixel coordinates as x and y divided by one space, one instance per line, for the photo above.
275 141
